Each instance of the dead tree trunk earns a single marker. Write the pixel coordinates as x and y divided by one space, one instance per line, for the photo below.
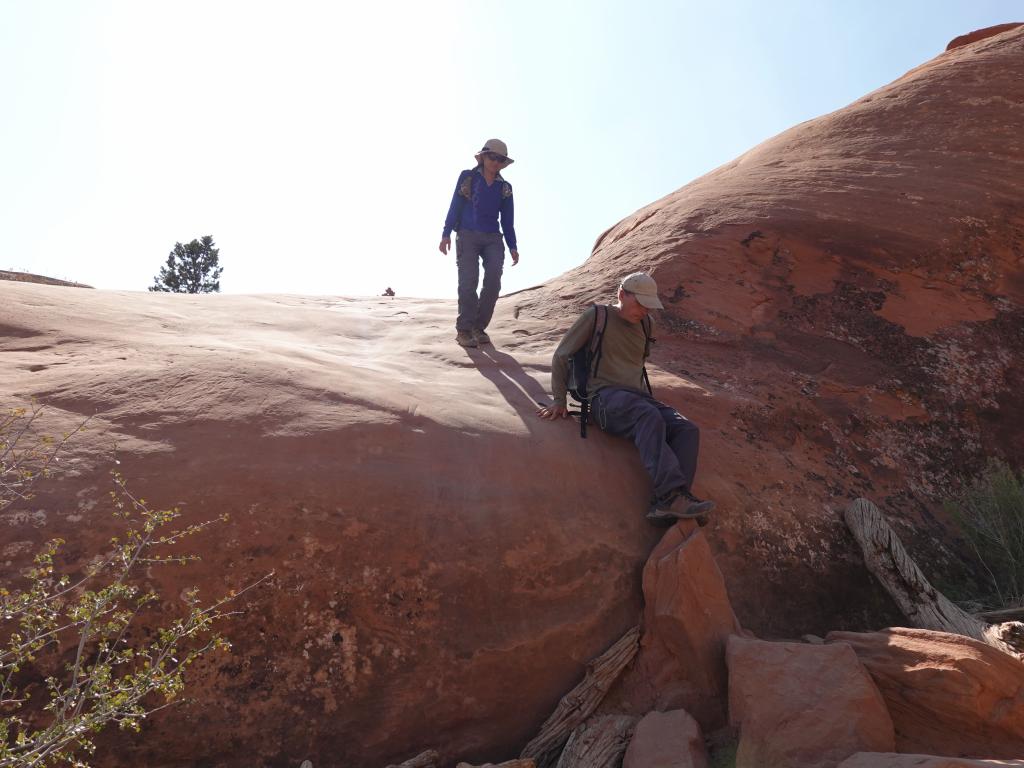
1004 614
923 605
598 743
576 706
428 759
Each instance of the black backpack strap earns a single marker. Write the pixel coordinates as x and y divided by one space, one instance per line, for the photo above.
649 339
600 323
594 356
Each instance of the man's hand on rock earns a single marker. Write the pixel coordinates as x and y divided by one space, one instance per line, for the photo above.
446 243
552 412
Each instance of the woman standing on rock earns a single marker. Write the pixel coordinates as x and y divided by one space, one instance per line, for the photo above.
481 196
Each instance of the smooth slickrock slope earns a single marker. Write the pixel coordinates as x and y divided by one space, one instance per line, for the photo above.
445 563
845 318
848 298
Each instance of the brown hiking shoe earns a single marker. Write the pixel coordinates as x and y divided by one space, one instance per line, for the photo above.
481 337
682 505
465 339
695 507
661 519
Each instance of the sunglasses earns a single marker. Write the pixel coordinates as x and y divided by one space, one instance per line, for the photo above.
495 156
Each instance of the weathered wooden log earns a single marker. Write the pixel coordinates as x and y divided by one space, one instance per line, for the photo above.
577 705
1009 633
428 759
599 743
923 605
508 764
1004 614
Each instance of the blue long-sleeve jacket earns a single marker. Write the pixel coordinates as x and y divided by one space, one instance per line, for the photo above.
476 206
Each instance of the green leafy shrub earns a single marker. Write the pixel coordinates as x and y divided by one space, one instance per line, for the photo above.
74 632
991 513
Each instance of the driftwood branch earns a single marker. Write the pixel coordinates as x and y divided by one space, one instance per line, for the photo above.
428 759
1004 614
577 705
923 605
598 743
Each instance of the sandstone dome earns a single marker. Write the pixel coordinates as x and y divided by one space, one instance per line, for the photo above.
844 319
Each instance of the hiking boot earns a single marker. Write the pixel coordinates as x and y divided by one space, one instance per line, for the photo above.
481 337
682 505
465 339
660 518
696 507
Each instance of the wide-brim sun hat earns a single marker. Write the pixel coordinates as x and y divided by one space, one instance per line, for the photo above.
498 147
642 285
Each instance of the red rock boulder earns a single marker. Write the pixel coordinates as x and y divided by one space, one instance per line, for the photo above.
947 694
666 740
802 706
894 760
686 621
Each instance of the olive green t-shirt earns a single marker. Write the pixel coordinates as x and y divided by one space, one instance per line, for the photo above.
622 354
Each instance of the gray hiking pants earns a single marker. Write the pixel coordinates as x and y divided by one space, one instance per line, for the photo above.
667 442
471 248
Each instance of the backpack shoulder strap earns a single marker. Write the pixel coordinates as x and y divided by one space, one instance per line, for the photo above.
600 323
466 184
649 339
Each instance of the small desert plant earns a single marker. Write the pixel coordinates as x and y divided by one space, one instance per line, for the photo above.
724 755
78 635
991 513
25 456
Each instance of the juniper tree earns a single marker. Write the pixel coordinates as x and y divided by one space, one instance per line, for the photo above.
191 268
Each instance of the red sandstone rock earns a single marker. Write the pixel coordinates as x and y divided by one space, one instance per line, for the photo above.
666 740
981 34
802 706
894 760
844 304
431 590
687 619
844 313
947 694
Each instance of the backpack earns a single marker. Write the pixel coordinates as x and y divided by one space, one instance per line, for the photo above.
466 185
585 361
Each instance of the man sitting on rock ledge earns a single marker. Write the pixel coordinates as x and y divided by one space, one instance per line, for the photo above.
667 441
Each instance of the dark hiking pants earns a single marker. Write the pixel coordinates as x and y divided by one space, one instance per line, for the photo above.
472 248
667 442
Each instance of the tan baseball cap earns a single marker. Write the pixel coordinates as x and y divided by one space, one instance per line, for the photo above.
642 285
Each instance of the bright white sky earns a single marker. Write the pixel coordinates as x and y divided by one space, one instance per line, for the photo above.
319 142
